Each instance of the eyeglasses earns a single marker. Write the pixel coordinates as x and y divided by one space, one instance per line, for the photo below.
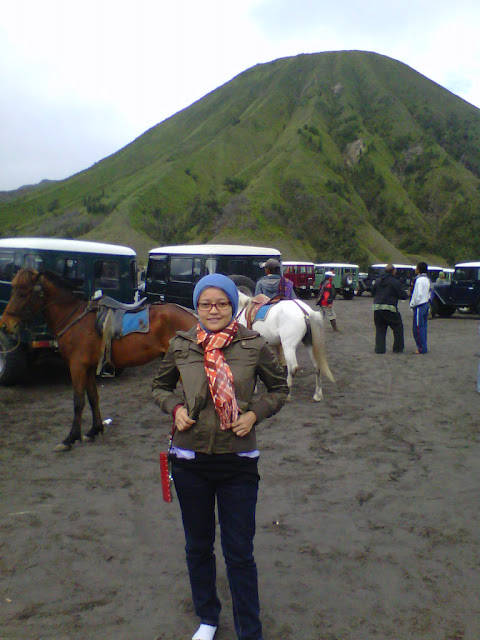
207 306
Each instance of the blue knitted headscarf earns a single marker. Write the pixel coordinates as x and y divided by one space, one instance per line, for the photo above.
218 281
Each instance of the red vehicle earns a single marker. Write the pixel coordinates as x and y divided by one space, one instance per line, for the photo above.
302 275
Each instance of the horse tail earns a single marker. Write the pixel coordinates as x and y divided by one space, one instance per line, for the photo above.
318 344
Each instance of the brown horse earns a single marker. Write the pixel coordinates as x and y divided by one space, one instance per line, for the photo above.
71 319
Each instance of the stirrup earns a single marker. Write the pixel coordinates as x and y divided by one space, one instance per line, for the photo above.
108 370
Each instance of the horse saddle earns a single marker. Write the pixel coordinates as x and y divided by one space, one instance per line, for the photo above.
111 303
258 308
115 320
120 319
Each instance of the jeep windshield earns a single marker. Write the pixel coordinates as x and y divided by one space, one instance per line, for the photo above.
466 273
374 272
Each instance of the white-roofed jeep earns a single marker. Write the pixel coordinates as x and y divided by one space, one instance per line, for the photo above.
462 293
89 266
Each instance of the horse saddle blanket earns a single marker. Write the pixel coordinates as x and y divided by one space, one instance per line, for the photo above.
257 309
113 323
119 322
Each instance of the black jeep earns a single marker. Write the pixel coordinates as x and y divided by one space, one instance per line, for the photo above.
90 266
404 272
462 293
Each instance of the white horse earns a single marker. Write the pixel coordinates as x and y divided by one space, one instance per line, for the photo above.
288 323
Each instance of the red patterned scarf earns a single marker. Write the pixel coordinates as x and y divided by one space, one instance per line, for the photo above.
219 374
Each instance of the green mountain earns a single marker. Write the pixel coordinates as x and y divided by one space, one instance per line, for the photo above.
347 156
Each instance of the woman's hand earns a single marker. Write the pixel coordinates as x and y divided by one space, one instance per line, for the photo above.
182 421
244 424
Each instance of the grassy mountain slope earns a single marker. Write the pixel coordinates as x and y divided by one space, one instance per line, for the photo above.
331 156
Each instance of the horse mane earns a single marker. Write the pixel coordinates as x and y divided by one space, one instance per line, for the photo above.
24 277
66 284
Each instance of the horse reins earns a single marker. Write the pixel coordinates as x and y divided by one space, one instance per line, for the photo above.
30 313
87 309
59 334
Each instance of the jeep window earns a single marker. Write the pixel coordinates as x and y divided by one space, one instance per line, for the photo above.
466 273
403 275
72 269
33 261
211 265
256 270
197 269
238 267
301 268
6 266
157 269
181 269
106 274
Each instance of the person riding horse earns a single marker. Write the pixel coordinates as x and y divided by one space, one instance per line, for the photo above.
272 284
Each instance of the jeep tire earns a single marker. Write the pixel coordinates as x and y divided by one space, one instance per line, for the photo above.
445 311
244 284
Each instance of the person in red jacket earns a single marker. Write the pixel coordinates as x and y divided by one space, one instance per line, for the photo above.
325 299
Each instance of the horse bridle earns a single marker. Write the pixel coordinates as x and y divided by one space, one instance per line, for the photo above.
29 312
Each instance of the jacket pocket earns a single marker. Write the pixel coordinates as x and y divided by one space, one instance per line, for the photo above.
180 353
250 350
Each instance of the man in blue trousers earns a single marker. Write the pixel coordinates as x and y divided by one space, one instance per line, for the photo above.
419 304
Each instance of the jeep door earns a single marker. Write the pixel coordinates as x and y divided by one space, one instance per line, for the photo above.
319 277
465 288
7 271
115 277
156 278
181 281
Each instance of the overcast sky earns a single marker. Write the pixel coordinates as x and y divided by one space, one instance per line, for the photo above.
80 80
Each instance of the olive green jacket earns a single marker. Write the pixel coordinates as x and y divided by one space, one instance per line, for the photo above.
248 357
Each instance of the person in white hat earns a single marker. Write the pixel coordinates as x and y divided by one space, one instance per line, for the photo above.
325 299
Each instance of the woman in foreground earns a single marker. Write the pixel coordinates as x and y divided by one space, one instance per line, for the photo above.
214 451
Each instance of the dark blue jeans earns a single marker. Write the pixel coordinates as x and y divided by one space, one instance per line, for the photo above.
420 316
236 496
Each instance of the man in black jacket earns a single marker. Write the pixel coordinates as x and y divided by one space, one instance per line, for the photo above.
387 291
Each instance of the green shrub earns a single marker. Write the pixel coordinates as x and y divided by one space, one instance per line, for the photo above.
234 185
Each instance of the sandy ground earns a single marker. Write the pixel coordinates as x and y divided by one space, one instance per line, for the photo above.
368 518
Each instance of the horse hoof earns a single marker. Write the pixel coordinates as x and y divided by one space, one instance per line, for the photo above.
92 434
62 447
318 397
